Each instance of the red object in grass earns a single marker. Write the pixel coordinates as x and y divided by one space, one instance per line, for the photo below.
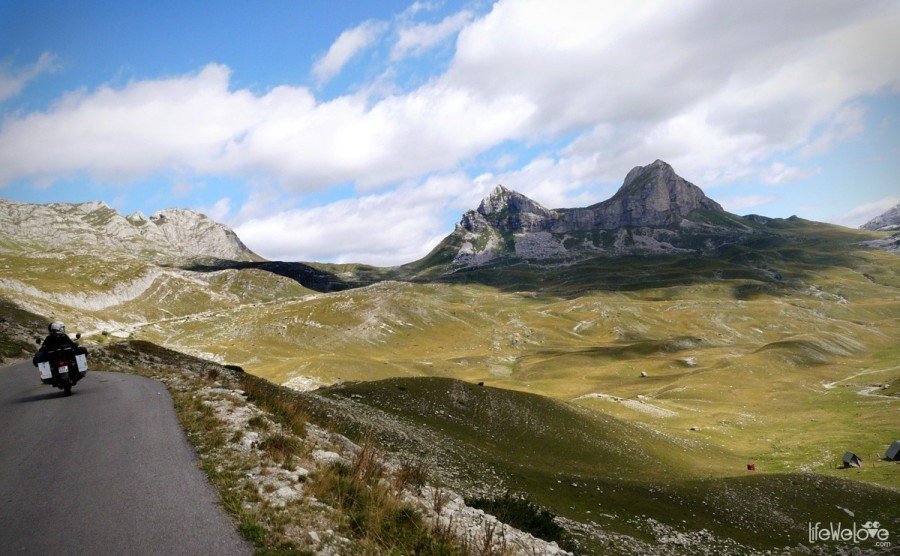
751 467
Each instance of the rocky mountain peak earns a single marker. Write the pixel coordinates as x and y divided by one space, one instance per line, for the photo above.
503 200
137 217
178 214
88 207
94 226
655 211
654 195
507 211
887 221
199 236
658 166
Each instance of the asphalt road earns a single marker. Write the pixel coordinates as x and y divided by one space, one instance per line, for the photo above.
107 470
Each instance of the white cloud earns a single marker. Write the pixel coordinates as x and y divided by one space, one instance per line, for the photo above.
123 134
737 204
261 202
554 183
219 211
779 173
414 40
419 6
196 124
348 44
388 228
13 81
861 214
713 88
847 122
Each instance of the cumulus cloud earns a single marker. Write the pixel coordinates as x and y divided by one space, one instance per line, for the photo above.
738 204
348 44
13 81
388 228
415 40
847 122
219 211
780 173
197 124
715 89
552 182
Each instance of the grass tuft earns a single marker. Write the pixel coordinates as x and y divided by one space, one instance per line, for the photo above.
378 518
284 404
281 447
411 475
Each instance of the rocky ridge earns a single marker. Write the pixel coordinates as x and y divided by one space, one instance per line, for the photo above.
655 211
885 222
94 227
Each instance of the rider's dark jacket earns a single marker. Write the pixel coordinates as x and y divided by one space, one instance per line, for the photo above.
54 341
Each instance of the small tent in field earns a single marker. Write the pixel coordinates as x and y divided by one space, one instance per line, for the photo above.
893 452
852 460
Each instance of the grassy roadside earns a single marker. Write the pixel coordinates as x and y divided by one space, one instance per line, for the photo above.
291 486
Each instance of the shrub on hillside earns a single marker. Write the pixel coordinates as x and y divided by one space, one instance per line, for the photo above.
520 512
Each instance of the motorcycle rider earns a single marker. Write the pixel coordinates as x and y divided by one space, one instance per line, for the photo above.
57 339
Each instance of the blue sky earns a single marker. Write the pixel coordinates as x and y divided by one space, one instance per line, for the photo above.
361 131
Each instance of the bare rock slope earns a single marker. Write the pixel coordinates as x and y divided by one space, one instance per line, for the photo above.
655 211
886 222
94 227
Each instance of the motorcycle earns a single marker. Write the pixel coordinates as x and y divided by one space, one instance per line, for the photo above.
63 367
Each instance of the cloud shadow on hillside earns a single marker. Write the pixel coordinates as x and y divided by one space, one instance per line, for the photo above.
307 276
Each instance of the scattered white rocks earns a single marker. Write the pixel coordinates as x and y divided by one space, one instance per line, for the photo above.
638 405
846 511
484 532
891 244
326 457
303 383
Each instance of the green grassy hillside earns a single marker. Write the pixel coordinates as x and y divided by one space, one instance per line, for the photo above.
769 349
593 468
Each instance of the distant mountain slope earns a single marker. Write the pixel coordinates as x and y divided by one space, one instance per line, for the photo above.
95 227
888 221
654 212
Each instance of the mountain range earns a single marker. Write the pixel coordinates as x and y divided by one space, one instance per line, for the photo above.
655 211
98 228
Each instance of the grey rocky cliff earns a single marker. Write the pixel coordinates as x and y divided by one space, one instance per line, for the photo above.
199 236
886 222
652 195
94 227
655 211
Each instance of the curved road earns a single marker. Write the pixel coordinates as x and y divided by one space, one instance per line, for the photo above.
107 470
